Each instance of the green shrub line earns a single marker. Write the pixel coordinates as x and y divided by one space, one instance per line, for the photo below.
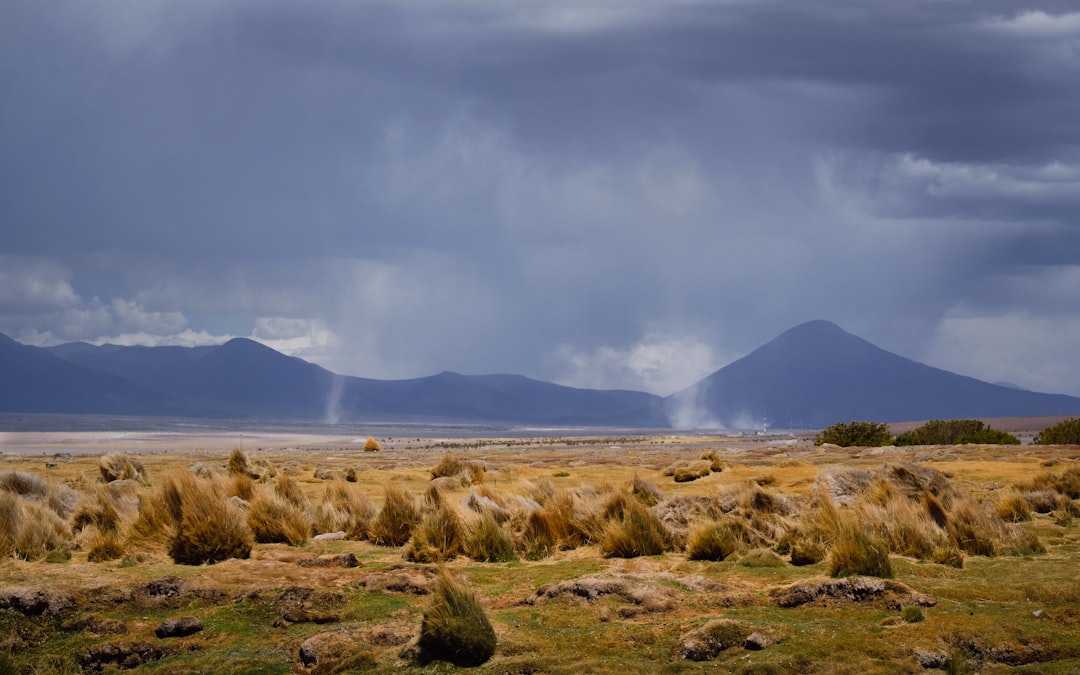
935 432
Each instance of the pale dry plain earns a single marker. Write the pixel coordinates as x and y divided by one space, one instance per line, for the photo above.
575 610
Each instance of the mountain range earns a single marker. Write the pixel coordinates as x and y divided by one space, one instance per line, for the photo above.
809 377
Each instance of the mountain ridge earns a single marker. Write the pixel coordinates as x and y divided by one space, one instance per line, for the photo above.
808 377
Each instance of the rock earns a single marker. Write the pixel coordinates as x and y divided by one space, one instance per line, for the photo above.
36 601
342 560
757 641
706 643
123 654
849 590
329 536
325 474
931 658
182 627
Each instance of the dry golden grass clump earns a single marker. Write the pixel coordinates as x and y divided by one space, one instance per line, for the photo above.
714 540
119 466
716 465
487 541
58 497
30 530
646 492
274 519
439 536
687 471
343 508
241 486
191 519
455 627
854 552
560 523
1013 508
397 517
288 489
636 532
468 472
239 465
372 445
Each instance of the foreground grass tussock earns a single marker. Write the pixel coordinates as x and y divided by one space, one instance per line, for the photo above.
455 627
398 516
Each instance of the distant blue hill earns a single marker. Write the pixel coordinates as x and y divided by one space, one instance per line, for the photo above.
816 374
245 379
807 378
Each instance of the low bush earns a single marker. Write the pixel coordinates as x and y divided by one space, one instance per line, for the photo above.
397 517
1063 433
455 627
1065 483
912 614
858 434
105 546
955 432
372 445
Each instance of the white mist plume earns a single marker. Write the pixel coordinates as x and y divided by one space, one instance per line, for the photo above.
333 400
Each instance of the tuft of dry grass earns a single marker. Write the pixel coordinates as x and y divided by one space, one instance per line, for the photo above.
30 530
438 537
242 486
105 546
239 465
487 541
397 517
372 445
288 489
854 552
1013 508
455 627
210 528
119 466
646 492
712 540
274 519
343 508
638 531
716 465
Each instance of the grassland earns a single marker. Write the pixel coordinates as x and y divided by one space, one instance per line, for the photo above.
599 578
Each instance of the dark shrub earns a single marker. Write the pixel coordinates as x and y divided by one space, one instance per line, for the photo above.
955 432
861 434
1063 433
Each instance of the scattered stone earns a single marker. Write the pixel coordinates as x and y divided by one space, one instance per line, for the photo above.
336 652
757 641
400 578
849 590
36 601
291 616
122 654
182 627
325 474
931 658
165 587
706 643
329 536
341 560
240 503
50 465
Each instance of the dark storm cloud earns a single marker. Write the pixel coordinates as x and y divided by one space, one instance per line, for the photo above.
580 190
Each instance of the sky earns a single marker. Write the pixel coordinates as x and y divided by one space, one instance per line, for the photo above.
601 193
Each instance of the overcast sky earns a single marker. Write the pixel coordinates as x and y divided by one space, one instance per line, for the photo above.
603 193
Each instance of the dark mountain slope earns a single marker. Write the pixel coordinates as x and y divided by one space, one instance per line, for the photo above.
816 374
34 380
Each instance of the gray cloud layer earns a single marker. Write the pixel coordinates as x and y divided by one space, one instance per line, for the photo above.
603 193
